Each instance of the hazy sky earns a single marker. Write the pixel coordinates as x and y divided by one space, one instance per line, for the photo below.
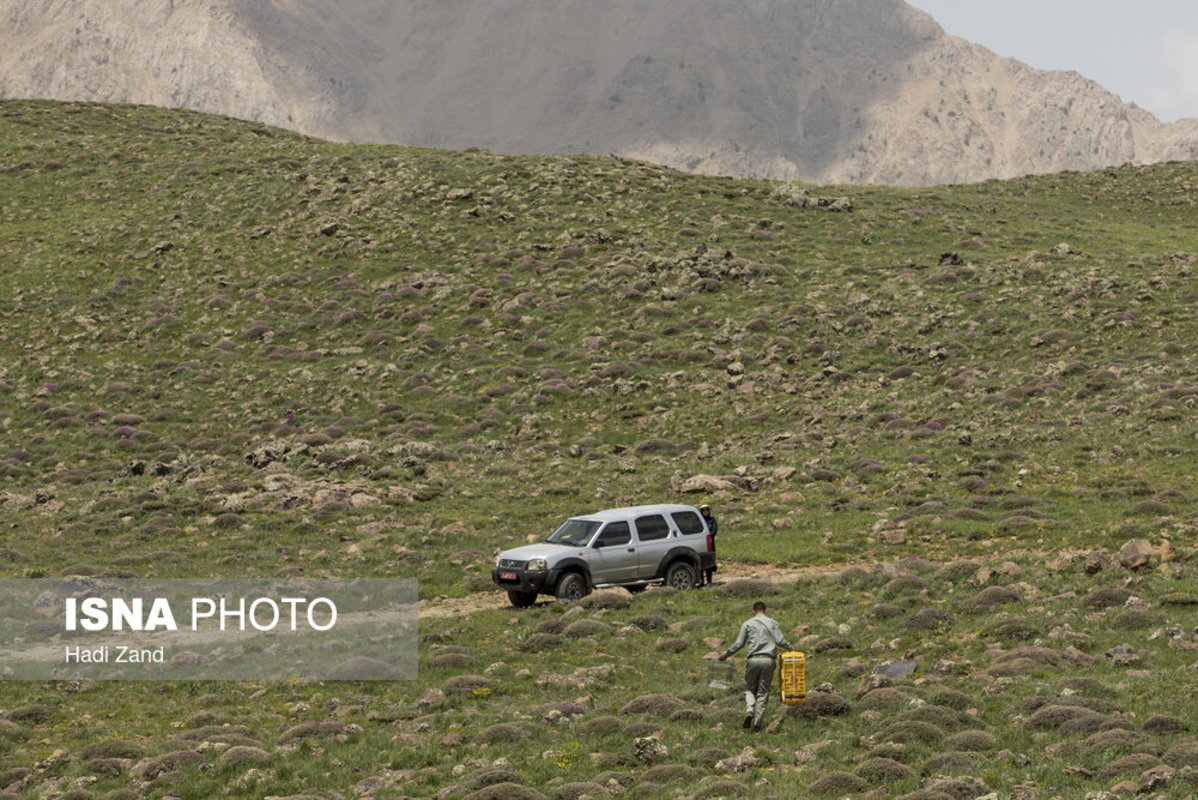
1142 50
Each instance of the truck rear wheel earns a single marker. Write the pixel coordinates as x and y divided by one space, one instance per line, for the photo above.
681 576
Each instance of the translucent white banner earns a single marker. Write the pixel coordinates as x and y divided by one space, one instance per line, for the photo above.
208 629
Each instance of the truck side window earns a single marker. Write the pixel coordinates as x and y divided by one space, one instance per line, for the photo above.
615 533
689 522
652 527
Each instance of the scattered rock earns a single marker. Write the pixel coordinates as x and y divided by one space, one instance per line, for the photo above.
649 749
900 668
1123 655
1135 554
742 762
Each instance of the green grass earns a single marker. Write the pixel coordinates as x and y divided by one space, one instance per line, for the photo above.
458 349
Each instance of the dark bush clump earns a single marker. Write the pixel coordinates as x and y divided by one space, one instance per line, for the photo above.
821 704
941 716
749 588
1132 764
667 773
113 748
539 642
1182 754
502 733
601 726
1134 619
466 684
707 757
957 571
855 576
506 791
951 698
651 622
839 783
911 732
972 741
886 611
1026 659
656 705
584 628
615 600
883 697
723 788
451 661
928 619
573 791
950 763
1164 724
35 713
311 730
1014 630
833 643
905 587
1106 598
884 770
1052 716
990 598
1085 724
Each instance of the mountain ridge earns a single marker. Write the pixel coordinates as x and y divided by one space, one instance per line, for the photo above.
872 91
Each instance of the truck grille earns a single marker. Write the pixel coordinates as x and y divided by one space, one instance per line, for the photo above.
509 563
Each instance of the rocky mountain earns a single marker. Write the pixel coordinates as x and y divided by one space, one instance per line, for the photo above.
822 90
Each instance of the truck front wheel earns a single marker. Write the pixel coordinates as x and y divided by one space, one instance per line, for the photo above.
522 599
572 586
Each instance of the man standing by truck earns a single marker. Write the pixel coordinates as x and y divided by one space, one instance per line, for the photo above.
713 528
761 635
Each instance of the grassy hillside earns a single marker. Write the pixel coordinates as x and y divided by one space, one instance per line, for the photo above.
228 350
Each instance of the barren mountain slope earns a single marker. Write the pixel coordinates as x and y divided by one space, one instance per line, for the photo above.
826 90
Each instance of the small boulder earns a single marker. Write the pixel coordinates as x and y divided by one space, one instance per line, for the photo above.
1135 554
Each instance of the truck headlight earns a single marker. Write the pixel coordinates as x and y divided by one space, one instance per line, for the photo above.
538 565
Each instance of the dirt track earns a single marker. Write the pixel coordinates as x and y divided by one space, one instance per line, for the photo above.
729 570
483 601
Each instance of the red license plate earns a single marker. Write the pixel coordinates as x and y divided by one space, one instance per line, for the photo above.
507 576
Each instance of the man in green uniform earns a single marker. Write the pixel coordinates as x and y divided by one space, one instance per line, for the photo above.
762 635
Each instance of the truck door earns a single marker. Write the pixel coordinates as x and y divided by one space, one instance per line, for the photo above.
653 536
613 554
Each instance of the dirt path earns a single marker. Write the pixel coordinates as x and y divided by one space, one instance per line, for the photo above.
729 571
441 607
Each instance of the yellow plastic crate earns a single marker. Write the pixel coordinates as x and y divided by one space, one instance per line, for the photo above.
792 673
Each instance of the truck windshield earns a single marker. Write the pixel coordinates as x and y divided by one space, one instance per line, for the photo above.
574 532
